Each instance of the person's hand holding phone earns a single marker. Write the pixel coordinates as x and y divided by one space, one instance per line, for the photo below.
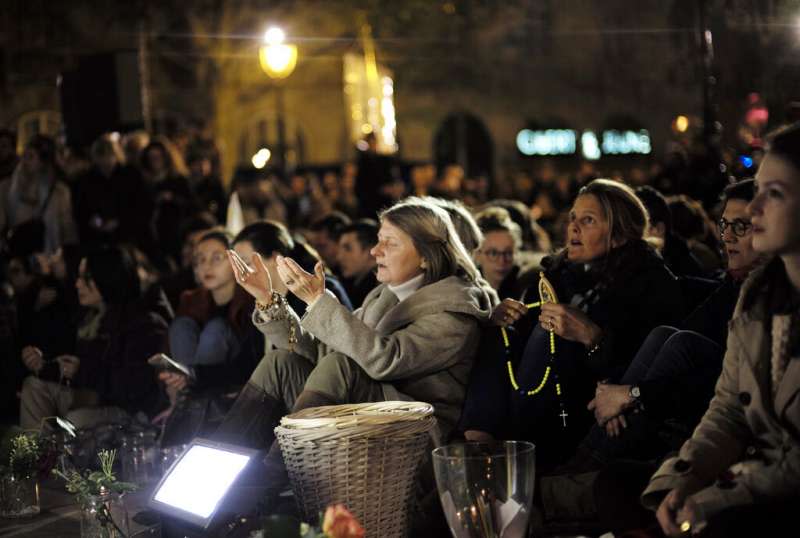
174 380
163 363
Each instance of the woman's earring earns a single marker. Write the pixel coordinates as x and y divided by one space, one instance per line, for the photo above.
423 265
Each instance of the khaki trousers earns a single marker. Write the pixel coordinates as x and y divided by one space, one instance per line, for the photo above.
284 375
41 399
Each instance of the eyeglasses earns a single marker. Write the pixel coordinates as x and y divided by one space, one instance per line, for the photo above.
215 259
495 255
739 227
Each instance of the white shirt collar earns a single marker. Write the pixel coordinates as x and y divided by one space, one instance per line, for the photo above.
408 287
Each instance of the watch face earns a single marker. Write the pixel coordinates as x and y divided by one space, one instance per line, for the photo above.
635 392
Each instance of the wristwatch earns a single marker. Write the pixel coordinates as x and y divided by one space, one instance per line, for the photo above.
634 392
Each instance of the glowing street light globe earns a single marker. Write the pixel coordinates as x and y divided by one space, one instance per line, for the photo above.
277 59
274 36
681 124
261 158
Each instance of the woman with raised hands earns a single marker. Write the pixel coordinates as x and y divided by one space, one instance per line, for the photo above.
414 337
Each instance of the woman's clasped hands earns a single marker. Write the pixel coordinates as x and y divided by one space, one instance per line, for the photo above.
678 514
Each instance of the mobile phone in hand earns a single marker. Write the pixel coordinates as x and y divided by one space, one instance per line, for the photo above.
61 424
164 364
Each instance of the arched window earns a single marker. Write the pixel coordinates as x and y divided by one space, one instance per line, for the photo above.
463 139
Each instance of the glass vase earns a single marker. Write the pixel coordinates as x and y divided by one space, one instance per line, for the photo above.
19 496
105 516
486 489
140 458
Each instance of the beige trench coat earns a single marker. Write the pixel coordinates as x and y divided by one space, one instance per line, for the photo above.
747 446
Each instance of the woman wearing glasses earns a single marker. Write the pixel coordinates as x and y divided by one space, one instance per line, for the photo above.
739 473
108 375
496 256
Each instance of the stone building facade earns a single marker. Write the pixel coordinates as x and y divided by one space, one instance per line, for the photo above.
503 66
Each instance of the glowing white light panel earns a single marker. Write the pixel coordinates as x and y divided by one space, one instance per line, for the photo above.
201 479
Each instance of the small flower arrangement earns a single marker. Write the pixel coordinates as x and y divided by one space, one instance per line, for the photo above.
31 455
338 522
24 456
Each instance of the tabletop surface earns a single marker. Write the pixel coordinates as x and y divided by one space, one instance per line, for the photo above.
61 517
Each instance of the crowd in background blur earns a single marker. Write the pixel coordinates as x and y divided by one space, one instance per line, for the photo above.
112 257
155 198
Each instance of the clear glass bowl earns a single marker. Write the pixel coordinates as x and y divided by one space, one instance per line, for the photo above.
486 489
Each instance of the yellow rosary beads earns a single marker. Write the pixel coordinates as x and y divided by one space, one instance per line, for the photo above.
547 294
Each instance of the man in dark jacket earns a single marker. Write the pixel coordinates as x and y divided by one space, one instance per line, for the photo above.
675 250
356 263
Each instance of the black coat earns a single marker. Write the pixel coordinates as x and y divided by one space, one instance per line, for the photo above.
636 292
517 283
710 320
114 364
680 259
123 198
357 289
712 316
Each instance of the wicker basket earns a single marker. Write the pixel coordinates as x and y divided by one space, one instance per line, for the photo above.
364 455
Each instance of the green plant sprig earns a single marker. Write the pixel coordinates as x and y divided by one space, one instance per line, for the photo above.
96 483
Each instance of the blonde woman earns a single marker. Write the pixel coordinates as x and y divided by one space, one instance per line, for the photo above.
414 337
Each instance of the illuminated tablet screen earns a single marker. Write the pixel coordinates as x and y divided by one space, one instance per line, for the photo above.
200 480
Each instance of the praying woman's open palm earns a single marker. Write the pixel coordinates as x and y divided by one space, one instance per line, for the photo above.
306 286
255 280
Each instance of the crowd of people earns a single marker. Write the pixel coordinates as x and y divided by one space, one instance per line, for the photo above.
605 321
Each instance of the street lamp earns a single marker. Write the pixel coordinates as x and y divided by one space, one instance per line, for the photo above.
278 61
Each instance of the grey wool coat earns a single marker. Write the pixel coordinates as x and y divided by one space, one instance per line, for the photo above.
747 446
421 348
